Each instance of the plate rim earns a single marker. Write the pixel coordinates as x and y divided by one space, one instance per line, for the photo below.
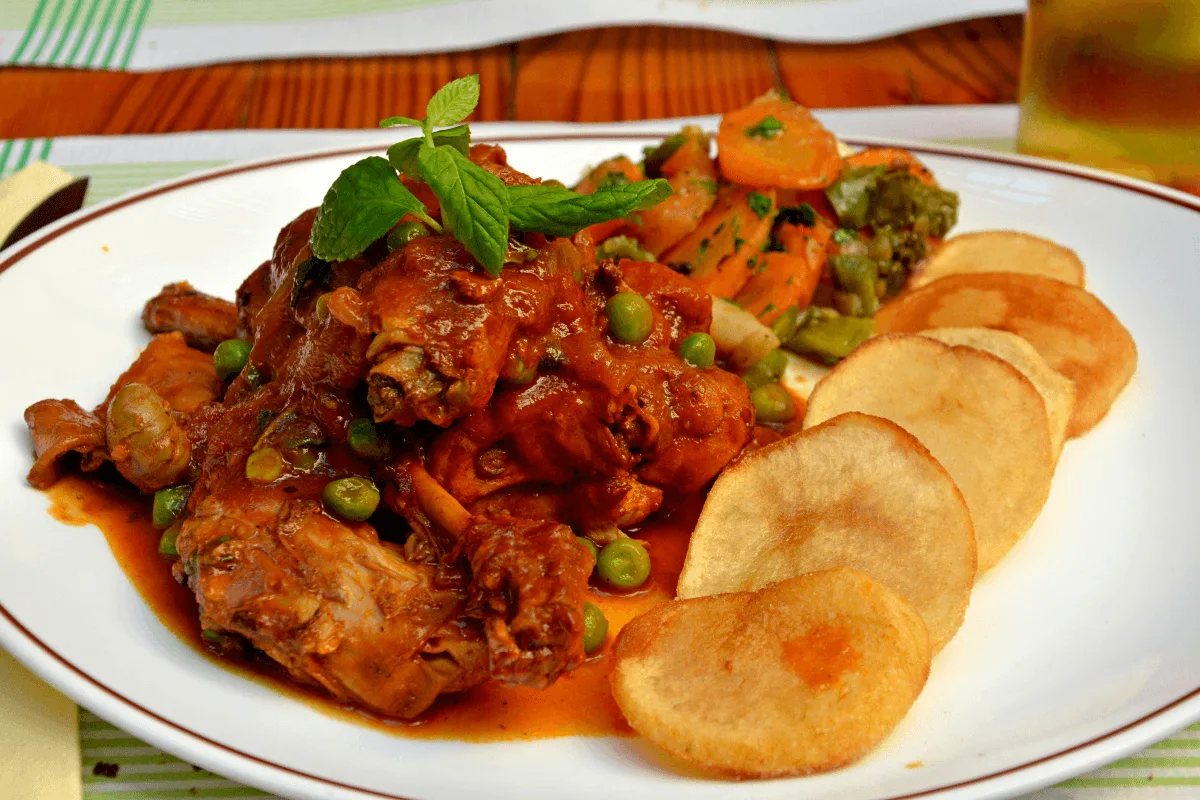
175 737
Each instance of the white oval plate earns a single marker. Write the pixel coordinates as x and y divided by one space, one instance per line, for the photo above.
1082 646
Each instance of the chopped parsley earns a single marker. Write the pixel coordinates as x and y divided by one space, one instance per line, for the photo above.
768 128
760 204
611 180
803 214
844 235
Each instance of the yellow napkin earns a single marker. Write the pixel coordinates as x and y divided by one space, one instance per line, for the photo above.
39 738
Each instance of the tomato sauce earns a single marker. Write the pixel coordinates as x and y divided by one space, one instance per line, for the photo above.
578 704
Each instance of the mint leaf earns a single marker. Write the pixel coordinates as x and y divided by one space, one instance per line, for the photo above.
561 212
364 202
396 122
403 155
474 203
453 102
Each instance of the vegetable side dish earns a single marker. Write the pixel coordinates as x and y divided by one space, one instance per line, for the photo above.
407 455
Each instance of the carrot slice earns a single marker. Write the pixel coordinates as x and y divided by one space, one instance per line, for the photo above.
775 142
893 158
716 255
781 280
619 165
693 176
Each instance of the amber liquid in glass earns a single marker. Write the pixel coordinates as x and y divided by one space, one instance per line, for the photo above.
1114 84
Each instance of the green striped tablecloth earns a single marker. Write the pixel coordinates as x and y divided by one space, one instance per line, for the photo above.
117 766
156 34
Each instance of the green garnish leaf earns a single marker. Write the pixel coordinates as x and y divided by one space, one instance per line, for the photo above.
768 128
403 155
396 122
453 103
561 212
760 204
311 270
475 203
363 203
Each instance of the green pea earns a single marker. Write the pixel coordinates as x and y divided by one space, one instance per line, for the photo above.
230 357
773 403
521 374
404 233
699 350
618 247
166 545
624 563
352 498
169 504
769 370
322 307
595 628
591 547
367 440
629 317
264 466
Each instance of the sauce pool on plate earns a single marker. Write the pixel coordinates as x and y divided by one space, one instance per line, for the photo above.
578 704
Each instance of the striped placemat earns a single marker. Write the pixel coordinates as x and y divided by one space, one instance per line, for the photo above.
117 766
157 34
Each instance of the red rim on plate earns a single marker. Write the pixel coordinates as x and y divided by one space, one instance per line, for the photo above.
77 683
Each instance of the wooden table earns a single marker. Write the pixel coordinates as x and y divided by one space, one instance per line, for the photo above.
593 75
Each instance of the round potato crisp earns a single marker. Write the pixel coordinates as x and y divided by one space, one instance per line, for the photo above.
806 675
1000 251
1072 330
1057 390
978 415
856 491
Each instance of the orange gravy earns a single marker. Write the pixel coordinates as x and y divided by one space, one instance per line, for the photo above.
578 704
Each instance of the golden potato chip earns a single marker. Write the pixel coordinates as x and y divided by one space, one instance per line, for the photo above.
806 675
856 491
1072 330
978 415
1000 251
1057 390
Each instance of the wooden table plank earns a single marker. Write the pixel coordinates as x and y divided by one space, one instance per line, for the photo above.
593 75
972 62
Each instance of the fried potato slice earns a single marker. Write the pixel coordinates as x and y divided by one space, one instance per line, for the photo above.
1071 329
1057 390
1000 251
978 415
856 491
806 675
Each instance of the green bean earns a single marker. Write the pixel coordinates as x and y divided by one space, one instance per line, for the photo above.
630 318
404 233
367 440
789 322
857 274
833 338
769 370
595 628
624 563
264 466
166 545
169 504
352 498
699 350
230 357
773 403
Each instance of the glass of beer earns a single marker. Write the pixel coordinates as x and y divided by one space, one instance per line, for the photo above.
1114 84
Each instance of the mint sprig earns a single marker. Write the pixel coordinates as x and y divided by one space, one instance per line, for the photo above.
561 212
362 205
368 198
474 203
